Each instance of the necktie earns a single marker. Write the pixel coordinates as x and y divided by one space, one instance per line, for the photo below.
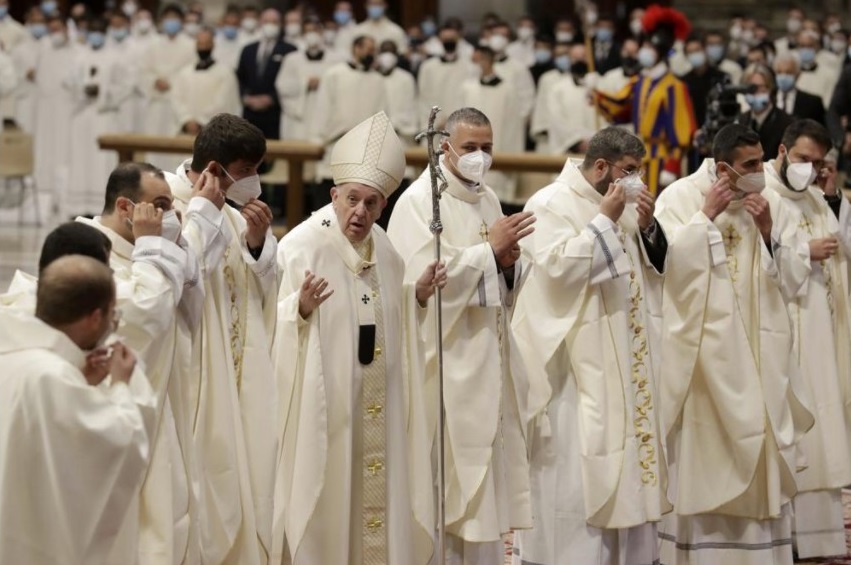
263 57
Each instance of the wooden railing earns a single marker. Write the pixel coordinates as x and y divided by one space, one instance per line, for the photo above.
297 153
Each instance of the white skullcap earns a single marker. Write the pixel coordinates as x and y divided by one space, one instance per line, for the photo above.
370 154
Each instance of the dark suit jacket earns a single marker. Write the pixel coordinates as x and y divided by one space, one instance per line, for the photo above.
611 61
771 132
253 82
840 106
809 106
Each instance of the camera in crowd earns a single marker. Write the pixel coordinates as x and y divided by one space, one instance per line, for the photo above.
722 108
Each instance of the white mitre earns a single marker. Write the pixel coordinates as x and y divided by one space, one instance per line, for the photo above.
370 154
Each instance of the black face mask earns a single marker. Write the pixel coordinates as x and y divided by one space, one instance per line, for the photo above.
579 68
450 46
367 61
630 66
205 54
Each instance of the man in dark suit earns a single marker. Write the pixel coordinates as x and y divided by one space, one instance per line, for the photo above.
607 52
764 117
791 100
258 68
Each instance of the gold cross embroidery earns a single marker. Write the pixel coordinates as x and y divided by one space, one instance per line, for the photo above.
374 410
374 524
731 238
375 467
483 231
806 224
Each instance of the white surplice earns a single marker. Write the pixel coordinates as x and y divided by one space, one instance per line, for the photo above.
318 511
501 104
571 116
381 30
487 472
227 51
92 117
54 108
400 91
437 81
587 325
73 455
199 95
232 396
153 277
821 320
23 99
298 102
338 109
163 59
733 402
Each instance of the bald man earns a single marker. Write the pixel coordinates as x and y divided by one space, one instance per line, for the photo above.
66 432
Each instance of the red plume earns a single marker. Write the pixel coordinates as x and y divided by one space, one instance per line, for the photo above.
657 15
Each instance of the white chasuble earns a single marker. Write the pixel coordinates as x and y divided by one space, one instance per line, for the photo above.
585 324
232 393
733 402
354 473
487 473
820 319
73 455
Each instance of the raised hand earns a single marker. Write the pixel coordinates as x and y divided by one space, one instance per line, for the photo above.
147 220
259 217
507 231
614 201
123 363
718 198
209 186
757 206
646 206
312 294
97 366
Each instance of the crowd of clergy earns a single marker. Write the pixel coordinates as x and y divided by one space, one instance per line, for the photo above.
68 78
626 372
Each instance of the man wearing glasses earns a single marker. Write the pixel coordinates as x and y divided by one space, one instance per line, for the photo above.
587 325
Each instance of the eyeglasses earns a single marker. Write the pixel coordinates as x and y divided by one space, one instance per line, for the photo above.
639 171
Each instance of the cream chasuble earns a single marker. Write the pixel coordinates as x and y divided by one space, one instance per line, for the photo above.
73 455
487 472
586 323
354 476
156 280
733 402
232 392
820 319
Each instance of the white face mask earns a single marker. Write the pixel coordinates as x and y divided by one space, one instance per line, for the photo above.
270 31
749 183
58 39
498 42
799 175
473 166
525 33
292 30
632 186
171 226
647 57
312 39
387 61
243 190
249 24
143 26
635 27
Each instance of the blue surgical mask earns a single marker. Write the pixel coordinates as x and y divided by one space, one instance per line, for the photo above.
375 12
785 82
758 102
49 7
697 59
543 56
38 30
429 28
96 39
715 53
647 57
342 17
120 34
4 11
604 34
172 26
230 32
806 55
562 63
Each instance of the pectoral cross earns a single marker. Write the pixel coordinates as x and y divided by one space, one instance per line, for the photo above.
483 231
806 224
326 223
365 299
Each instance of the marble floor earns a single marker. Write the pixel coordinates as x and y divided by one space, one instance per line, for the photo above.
19 249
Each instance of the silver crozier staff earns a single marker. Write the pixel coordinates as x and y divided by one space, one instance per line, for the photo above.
438 185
